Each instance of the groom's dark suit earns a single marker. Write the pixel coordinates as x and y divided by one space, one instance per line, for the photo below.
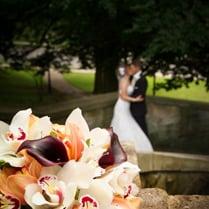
138 109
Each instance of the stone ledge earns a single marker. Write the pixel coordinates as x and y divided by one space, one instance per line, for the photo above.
154 198
188 202
173 161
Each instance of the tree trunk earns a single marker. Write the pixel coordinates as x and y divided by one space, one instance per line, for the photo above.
154 85
49 81
106 62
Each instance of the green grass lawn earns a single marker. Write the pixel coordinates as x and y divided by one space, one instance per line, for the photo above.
85 82
20 87
194 92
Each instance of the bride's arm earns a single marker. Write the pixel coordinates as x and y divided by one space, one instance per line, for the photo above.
123 91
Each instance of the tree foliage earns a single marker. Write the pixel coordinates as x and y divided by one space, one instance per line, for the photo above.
171 36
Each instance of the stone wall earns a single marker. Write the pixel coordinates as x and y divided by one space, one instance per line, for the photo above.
174 125
177 125
175 173
156 198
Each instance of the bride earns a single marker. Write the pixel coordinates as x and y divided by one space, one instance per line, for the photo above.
124 125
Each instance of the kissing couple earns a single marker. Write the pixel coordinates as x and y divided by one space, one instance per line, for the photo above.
129 116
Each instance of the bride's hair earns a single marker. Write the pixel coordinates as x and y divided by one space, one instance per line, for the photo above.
121 71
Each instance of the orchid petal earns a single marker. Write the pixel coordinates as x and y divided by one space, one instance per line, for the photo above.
69 194
8 146
76 118
78 173
36 200
30 190
121 178
4 128
92 154
39 200
20 123
101 192
41 128
41 150
52 170
99 137
127 166
13 159
115 154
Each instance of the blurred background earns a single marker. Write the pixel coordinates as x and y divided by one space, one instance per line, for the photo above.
58 55
55 55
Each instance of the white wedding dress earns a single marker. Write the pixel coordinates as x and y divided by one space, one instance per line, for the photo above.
127 129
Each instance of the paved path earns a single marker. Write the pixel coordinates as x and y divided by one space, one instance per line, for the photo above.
60 84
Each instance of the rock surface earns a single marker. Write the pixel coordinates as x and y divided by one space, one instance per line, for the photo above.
154 198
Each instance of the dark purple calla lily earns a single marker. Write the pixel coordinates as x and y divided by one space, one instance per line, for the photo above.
115 153
47 151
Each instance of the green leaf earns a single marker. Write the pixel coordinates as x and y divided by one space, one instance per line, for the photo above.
88 142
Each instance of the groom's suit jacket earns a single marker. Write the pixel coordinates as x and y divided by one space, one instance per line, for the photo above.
139 108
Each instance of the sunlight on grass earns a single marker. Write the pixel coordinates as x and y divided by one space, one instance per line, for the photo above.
194 92
20 87
85 82
17 86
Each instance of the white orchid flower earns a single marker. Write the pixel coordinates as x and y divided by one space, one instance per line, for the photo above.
79 173
24 126
57 185
8 148
121 179
9 202
93 193
99 195
19 126
50 192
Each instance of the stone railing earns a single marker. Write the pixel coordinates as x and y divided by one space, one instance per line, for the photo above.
174 125
176 173
156 198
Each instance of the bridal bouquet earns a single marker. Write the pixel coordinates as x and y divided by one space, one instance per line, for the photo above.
45 165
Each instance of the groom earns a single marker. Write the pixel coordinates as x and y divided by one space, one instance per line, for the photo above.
138 109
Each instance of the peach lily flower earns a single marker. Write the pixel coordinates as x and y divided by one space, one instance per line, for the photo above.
75 134
95 141
13 181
